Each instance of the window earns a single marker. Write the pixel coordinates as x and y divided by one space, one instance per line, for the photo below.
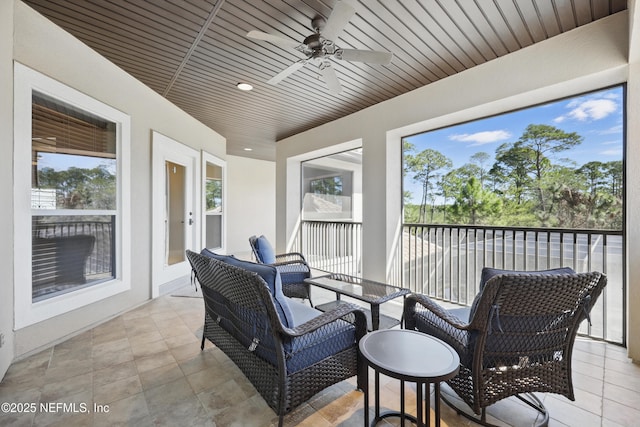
331 187
71 153
552 165
73 198
214 205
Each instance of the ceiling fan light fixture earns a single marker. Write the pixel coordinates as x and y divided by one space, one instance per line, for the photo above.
244 86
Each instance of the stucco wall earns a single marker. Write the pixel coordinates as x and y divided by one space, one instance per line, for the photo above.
587 58
252 202
41 45
6 178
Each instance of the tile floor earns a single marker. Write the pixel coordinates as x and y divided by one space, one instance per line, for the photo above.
145 368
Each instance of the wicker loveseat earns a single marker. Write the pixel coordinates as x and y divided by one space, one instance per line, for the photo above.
517 337
288 350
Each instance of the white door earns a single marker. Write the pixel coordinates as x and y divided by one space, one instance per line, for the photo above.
176 212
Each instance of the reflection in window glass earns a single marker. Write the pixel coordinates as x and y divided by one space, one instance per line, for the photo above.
74 170
332 187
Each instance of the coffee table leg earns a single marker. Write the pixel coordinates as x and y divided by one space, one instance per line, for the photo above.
375 317
366 396
377 391
419 415
402 413
436 388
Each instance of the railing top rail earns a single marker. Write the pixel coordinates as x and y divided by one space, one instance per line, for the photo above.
320 221
516 228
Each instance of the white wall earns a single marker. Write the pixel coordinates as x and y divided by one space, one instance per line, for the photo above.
6 178
633 184
590 57
251 202
41 45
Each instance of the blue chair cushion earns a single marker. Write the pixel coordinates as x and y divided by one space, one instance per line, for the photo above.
304 351
488 273
270 275
265 250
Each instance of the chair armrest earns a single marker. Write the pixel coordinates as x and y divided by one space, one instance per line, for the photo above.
433 307
329 317
290 256
296 267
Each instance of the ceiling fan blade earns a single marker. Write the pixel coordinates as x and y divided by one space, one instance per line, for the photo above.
286 72
259 35
340 16
369 56
330 77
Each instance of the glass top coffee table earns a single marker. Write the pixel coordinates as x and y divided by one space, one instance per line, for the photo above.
374 293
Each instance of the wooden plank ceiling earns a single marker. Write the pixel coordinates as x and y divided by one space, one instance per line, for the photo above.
194 52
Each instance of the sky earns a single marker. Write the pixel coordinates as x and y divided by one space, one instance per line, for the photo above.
596 116
59 162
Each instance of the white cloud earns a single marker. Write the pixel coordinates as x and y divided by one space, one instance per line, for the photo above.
481 138
590 109
612 130
614 152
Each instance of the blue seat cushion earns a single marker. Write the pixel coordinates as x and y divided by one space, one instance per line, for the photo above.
488 273
272 278
265 250
304 351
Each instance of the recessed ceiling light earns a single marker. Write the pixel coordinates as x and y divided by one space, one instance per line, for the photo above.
244 86
248 149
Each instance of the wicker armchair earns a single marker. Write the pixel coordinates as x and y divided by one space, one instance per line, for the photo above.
287 355
517 338
292 266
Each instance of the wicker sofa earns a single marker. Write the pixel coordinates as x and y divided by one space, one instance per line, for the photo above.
288 350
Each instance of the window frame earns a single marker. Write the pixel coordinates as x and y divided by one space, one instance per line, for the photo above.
27 312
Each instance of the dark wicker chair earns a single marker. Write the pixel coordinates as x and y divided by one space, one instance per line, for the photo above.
292 266
286 365
516 339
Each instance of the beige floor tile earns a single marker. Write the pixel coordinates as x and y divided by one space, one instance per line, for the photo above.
159 376
154 361
131 411
114 373
620 414
147 369
162 397
116 390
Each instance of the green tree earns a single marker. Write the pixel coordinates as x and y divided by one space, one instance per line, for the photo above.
512 168
613 177
593 173
474 204
545 140
80 188
481 160
425 166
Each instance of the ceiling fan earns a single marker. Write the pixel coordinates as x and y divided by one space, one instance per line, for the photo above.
320 46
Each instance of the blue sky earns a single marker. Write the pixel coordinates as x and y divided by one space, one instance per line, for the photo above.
59 161
596 116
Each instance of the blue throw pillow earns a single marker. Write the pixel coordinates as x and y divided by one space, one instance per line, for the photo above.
265 250
270 275
210 254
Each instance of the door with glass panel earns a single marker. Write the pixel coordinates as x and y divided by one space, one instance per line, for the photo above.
176 169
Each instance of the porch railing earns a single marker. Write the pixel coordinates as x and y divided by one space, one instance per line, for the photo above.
332 246
445 261
101 260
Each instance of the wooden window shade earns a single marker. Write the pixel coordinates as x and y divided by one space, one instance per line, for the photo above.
61 128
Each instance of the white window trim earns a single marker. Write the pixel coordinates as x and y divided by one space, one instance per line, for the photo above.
26 80
210 158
